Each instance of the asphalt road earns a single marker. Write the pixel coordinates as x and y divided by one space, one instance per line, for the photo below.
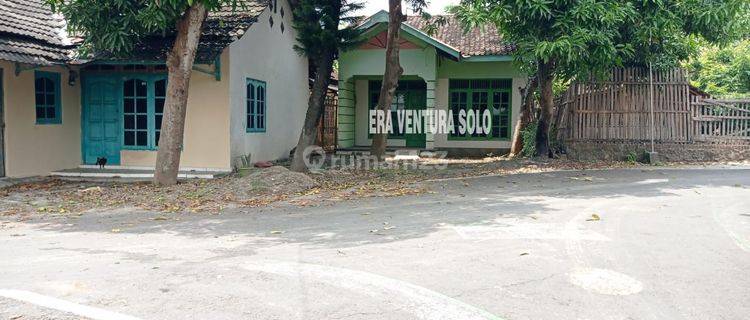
667 244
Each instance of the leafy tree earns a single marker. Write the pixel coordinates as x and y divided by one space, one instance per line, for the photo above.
115 25
563 40
320 38
722 71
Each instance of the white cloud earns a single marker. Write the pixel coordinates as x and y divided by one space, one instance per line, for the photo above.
435 6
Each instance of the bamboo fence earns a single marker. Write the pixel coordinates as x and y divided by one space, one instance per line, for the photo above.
618 109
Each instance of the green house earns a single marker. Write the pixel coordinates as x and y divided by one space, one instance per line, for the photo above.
448 69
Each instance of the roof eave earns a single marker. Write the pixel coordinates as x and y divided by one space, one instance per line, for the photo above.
488 58
382 17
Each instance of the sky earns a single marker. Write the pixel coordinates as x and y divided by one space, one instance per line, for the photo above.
372 6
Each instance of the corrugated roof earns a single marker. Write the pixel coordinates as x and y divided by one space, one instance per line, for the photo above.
474 42
31 33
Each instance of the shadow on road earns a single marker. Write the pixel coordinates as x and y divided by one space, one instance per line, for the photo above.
457 202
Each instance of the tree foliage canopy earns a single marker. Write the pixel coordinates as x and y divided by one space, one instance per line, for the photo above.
577 36
318 24
666 32
115 25
722 71
584 37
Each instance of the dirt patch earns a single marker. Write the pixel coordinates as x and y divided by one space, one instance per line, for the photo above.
260 187
273 180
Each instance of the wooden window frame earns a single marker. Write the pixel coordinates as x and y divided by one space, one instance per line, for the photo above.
252 112
151 114
507 87
55 78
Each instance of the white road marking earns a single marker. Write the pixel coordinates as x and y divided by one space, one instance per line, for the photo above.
422 302
604 281
596 280
652 181
721 218
62 305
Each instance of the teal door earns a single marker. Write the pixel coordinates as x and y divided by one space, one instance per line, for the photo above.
101 120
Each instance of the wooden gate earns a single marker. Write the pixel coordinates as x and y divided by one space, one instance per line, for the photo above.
722 120
327 129
617 110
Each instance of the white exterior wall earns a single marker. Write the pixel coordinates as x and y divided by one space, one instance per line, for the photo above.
265 53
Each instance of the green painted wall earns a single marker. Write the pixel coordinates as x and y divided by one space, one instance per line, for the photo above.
501 69
345 119
371 62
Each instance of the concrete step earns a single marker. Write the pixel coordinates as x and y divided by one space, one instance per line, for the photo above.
137 173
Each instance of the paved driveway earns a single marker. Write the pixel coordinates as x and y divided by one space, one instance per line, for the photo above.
621 244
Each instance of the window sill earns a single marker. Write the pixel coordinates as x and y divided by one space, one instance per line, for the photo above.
52 122
129 148
450 138
393 137
255 131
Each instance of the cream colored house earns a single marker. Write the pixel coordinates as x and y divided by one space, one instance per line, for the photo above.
247 99
445 70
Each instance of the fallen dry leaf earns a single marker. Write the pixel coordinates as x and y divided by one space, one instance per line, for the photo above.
594 217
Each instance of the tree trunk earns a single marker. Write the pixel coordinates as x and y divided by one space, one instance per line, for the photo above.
180 65
525 117
315 106
393 71
545 78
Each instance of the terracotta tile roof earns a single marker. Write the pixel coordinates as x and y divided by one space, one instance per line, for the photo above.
30 33
475 42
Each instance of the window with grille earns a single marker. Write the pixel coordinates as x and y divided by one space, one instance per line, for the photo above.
256 104
480 95
135 113
47 97
143 100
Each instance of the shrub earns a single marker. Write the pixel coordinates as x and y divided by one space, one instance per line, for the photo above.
632 157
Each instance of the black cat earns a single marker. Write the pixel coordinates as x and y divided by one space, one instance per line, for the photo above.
101 162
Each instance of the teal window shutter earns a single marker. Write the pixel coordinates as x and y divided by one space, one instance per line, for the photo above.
255 105
47 97
160 96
